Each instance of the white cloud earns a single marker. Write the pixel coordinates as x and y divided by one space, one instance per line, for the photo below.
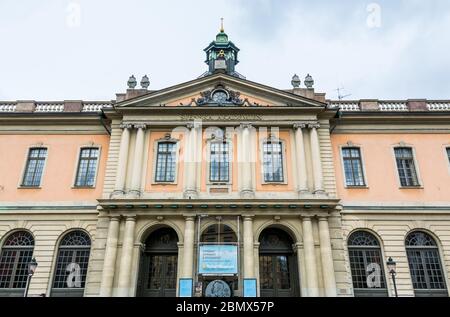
42 58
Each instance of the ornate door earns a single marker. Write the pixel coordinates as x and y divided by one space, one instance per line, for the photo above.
159 263
277 265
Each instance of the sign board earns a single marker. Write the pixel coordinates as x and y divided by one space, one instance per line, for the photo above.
185 287
250 287
218 259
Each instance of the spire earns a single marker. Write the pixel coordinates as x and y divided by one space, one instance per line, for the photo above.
222 30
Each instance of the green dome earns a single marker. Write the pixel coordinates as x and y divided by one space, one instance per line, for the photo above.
222 37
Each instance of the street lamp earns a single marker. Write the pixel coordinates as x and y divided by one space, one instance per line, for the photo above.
31 269
391 265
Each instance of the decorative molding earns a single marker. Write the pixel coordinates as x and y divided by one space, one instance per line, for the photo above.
207 97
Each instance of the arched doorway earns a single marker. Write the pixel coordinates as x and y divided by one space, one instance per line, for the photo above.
278 269
158 266
219 234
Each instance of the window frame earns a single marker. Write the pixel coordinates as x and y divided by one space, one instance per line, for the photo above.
446 148
363 167
155 160
437 247
283 152
15 247
77 166
416 166
383 266
230 161
59 291
26 164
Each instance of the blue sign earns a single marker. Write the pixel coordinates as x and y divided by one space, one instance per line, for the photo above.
218 259
185 287
250 287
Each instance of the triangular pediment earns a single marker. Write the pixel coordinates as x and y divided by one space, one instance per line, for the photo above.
220 90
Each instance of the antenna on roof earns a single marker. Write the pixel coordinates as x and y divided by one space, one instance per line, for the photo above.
340 97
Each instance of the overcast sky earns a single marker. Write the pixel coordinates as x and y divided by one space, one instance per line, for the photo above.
87 49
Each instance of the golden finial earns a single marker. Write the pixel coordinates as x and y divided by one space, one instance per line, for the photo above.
221 25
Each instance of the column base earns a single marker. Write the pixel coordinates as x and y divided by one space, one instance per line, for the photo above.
117 193
305 194
247 194
190 194
134 194
320 192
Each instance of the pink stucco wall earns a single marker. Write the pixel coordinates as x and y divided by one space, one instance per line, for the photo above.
380 167
59 171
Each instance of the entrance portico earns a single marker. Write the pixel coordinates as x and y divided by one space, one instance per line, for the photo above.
283 252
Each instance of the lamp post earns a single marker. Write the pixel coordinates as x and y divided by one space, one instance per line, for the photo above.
31 269
391 265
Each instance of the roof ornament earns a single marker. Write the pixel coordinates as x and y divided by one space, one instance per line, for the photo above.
309 82
145 82
295 81
132 82
221 25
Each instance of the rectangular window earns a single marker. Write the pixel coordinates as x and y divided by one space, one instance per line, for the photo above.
405 166
219 166
87 167
273 162
165 162
34 167
354 175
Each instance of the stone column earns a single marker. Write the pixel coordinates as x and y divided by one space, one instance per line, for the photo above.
109 263
301 158
316 160
327 258
249 266
138 157
121 173
246 166
310 258
188 251
126 257
190 188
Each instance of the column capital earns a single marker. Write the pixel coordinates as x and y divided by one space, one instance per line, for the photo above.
190 125
130 218
314 125
300 125
323 217
142 126
248 217
126 125
189 218
114 218
306 217
246 125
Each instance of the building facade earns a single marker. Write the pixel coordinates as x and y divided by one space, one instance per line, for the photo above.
309 196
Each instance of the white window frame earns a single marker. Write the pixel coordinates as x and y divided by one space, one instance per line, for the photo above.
24 166
168 138
74 177
416 165
283 161
361 153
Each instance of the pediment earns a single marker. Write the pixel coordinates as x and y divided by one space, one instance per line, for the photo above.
219 90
